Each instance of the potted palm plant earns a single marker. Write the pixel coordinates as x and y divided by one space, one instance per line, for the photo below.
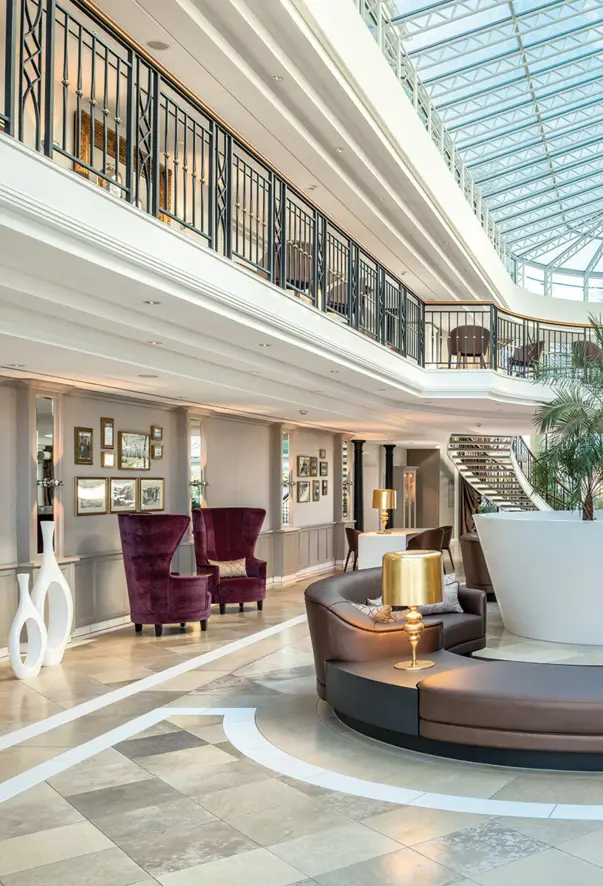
540 560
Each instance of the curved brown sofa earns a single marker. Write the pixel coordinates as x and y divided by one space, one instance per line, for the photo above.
340 632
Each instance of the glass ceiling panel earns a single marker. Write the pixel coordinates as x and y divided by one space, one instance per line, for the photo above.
519 85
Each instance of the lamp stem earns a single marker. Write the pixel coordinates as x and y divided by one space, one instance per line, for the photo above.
414 628
384 518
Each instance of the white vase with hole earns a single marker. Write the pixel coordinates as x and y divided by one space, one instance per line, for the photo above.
52 583
28 616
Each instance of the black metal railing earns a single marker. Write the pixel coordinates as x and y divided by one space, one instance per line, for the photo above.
555 494
73 87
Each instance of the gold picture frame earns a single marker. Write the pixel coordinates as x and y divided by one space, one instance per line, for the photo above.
325 487
83 446
85 503
133 451
151 493
99 144
123 495
322 453
107 459
313 466
156 451
156 434
107 433
324 468
303 466
304 491
315 490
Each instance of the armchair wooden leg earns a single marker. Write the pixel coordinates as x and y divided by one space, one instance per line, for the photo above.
204 624
158 630
355 566
347 560
138 629
222 608
241 607
260 605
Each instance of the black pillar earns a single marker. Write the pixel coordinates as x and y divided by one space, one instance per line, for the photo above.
389 476
358 484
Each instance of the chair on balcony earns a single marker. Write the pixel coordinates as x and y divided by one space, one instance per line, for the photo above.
157 596
526 358
467 343
586 352
225 540
298 266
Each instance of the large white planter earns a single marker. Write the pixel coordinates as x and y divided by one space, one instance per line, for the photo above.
52 582
547 573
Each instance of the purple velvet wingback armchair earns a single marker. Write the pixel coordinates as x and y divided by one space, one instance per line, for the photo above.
230 534
157 596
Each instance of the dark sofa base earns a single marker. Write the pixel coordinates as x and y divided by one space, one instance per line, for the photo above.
520 758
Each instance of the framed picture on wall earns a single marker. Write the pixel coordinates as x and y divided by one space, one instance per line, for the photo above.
107 459
83 446
303 490
156 432
156 451
122 494
152 493
90 496
322 453
313 466
324 469
315 490
133 451
303 466
325 487
107 433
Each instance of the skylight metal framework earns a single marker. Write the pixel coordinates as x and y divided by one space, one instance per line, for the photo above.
517 89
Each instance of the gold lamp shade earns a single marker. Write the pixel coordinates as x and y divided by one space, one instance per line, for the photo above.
412 578
384 500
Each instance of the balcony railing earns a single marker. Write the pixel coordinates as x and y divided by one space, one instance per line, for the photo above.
74 88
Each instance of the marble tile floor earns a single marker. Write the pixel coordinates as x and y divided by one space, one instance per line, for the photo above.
178 804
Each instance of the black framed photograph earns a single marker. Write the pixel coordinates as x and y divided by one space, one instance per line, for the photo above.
303 491
156 451
107 459
83 446
315 490
322 453
122 494
303 466
90 496
156 432
325 487
151 493
133 451
313 466
107 433
324 469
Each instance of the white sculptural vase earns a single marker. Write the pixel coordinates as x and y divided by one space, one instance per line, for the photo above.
28 615
52 582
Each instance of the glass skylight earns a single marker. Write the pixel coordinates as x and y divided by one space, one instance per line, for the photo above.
519 85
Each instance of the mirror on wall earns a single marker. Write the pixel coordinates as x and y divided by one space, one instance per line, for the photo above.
45 480
197 483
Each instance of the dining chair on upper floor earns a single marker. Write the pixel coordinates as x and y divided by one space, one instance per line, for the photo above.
526 358
352 537
469 342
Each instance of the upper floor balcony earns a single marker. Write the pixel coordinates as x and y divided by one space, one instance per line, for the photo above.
77 89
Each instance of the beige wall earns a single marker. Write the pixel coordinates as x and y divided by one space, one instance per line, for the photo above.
428 485
8 458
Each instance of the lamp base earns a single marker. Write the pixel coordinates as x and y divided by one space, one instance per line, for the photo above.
384 532
417 665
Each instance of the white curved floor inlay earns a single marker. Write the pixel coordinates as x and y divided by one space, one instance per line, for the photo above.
243 733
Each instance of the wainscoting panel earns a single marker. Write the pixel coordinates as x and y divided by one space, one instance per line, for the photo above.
100 590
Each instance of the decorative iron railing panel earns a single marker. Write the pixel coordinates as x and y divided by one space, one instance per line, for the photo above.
77 90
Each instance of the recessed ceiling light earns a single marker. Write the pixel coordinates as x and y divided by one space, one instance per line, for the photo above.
152 342
15 365
334 371
147 375
277 77
253 372
339 150
319 392
303 411
264 345
403 273
382 389
150 301
158 45
311 188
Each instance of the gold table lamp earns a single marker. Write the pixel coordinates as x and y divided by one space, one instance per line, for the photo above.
412 578
384 500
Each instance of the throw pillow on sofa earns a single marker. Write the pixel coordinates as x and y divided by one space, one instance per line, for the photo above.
379 613
231 568
450 603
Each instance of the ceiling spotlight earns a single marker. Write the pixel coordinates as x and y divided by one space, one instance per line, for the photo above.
334 371
150 301
264 345
382 389
339 150
277 77
152 342
311 188
147 375
15 365
253 372
158 45
319 392
303 411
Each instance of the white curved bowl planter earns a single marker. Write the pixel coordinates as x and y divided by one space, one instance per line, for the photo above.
51 581
27 615
546 572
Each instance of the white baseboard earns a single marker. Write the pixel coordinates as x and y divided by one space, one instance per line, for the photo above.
318 569
99 627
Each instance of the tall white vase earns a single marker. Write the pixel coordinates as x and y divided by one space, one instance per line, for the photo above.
51 581
28 615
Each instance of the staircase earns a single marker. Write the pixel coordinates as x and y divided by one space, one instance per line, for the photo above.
499 468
